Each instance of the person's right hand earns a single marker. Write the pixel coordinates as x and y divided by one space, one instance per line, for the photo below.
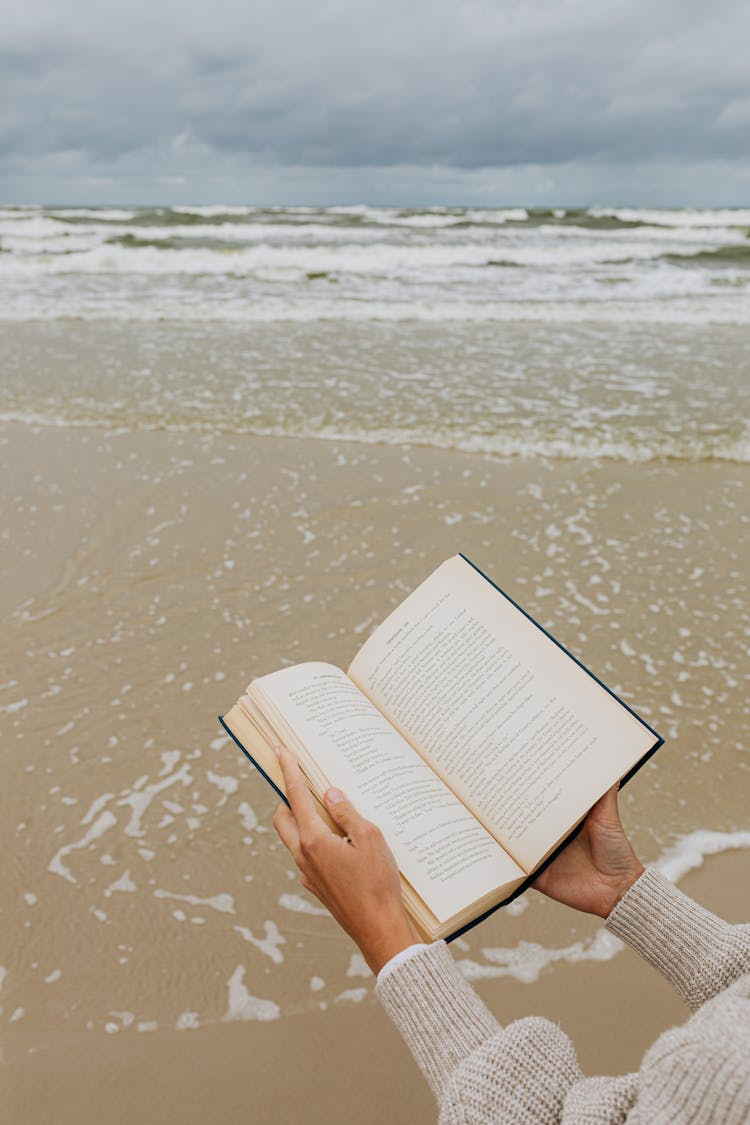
596 868
355 875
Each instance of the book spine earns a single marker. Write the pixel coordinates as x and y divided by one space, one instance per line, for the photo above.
249 756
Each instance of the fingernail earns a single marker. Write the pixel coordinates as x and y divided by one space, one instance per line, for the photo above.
334 796
277 751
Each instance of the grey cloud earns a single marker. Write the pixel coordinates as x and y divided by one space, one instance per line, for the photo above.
372 84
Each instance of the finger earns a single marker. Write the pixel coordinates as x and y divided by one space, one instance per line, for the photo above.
343 813
286 826
299 795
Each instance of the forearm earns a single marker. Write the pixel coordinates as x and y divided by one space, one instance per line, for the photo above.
698 953
437 1012
464 1053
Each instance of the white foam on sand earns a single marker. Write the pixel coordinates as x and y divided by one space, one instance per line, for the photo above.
96 806
124 883
140 799
569 444
228 785
249 817
357 966
353 995
224 903
301 905
688 852
101 825
268 944
11 708
187 1021
243 1006
527 960
170 758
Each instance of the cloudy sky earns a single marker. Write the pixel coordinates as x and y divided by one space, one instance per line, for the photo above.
384 101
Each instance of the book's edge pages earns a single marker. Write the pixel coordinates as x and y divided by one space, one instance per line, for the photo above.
280 730
263 757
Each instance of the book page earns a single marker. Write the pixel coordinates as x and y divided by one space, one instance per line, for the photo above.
440 848
519 731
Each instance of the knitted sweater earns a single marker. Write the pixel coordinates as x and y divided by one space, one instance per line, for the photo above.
528 1072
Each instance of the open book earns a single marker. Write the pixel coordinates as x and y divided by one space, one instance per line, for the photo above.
469 735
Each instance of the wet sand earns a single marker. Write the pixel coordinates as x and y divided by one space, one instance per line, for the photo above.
161 960
341 1065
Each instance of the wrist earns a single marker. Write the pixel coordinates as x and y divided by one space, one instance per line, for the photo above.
379 946
622 887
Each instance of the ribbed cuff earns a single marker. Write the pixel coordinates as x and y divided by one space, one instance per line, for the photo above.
397 958
439 1015
672 933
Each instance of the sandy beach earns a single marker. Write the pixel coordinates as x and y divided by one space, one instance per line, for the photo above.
161 960
339 1063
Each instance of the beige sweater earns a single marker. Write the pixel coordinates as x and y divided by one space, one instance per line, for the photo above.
528 1072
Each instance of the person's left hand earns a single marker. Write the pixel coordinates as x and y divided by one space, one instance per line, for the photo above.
597 867
354 876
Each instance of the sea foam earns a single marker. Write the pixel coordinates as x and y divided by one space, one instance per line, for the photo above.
527 960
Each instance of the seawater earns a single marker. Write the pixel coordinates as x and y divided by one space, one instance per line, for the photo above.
600 333
576 382
251 264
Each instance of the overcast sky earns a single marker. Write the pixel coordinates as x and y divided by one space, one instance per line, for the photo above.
384 101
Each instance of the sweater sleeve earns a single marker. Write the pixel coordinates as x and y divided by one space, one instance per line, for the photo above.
697 952
478 1071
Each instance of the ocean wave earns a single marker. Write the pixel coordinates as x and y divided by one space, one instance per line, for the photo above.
135 254
623 220
45 246
100 214
212 210
677 217
246 264
444 217
567 446
732 254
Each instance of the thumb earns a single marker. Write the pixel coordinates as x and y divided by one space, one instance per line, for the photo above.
606 807
605 815
342 811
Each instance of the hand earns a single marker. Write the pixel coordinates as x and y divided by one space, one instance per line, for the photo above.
354 876
597 867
